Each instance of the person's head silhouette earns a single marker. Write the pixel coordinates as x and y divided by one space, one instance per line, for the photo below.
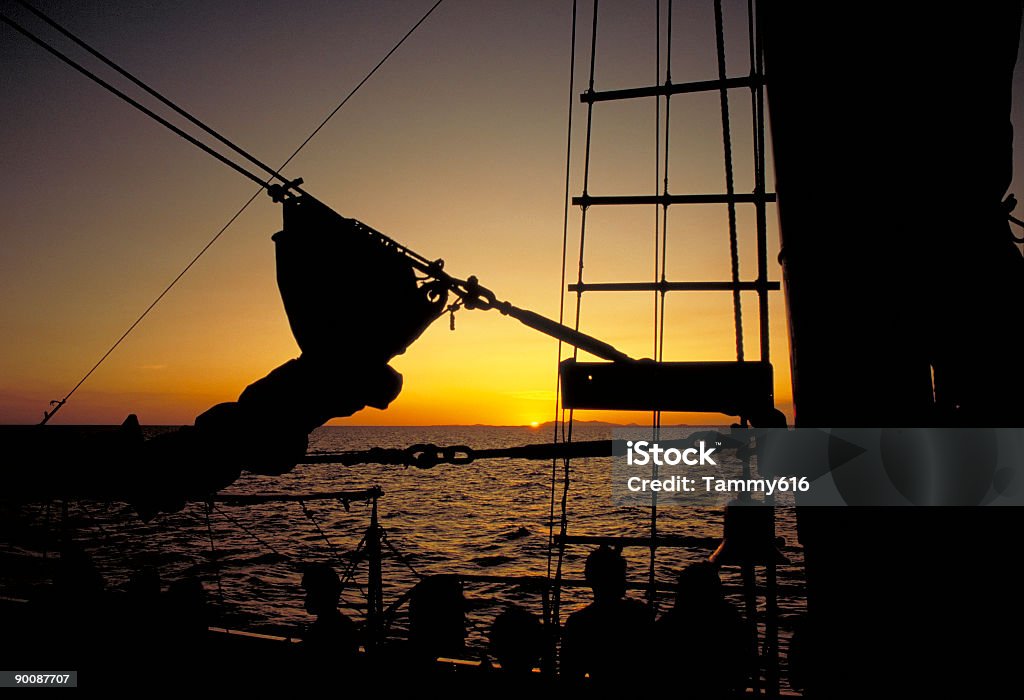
605 572
323 589
185 605
437 616
699 583
517 639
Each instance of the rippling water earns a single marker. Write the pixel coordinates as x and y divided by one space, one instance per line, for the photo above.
488 517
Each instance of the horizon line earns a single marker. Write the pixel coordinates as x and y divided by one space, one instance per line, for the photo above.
410 425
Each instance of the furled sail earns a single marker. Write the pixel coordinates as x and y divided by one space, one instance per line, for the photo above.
348 291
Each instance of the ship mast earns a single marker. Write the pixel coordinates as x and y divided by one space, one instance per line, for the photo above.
892 148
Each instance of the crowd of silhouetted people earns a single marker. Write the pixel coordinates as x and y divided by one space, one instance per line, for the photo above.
78 622
701 644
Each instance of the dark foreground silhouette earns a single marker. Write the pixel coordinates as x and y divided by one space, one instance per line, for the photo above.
332 638
609 639
703 638
517 641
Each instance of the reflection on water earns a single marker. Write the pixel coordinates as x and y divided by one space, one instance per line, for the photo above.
488 517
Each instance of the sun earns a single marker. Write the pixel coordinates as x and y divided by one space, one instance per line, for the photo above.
534 424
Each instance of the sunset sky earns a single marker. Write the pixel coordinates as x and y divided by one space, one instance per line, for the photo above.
456 148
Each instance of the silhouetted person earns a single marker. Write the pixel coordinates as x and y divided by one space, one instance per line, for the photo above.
141 607
333 637
610 638
77 577
72 617
143 585
517 640
704 636
186 609
437 618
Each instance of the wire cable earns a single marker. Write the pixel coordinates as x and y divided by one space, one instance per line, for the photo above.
361 82
133 102
139 83
567 462
561 285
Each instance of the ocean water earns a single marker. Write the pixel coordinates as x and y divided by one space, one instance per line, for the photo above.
489 517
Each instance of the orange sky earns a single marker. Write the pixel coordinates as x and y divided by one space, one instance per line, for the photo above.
455 148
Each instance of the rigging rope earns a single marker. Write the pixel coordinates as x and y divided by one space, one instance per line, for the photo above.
586 174
133 102
756 58
398 555
659 318
561 284
308 549
269 546
734 254
58 404
567 473
213 551
286 557
139 83
309 514
348 575
241 526
660 332
657 161
360 84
